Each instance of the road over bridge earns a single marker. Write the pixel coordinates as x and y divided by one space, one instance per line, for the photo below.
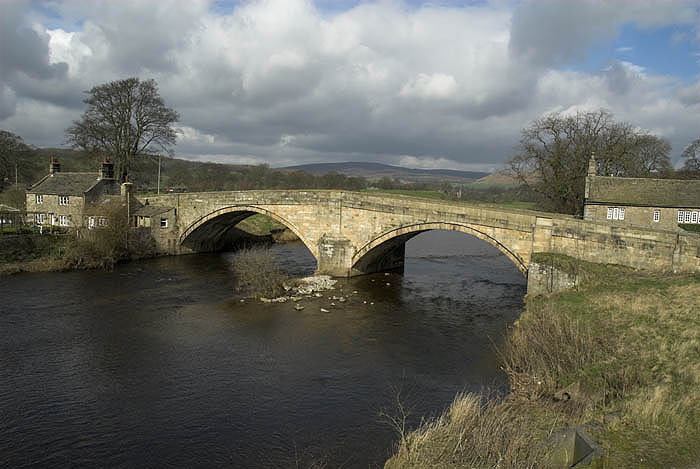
353 233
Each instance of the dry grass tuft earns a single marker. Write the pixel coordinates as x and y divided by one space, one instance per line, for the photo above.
473 432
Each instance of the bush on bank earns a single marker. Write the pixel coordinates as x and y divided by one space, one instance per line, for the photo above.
619 356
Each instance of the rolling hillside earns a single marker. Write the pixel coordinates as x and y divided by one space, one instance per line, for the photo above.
376 171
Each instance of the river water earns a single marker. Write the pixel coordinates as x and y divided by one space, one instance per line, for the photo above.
158 363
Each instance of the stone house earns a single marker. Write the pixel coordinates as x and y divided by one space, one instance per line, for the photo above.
655 203
160 222
73 199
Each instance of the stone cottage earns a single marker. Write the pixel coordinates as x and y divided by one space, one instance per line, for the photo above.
73 199
656 203
160 221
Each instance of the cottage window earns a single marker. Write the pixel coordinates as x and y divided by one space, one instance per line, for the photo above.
622 213
680 216
39 199
40 218
694 217
102 221
610 213
657 215
687 216
91 222
63 220
63 200
163 222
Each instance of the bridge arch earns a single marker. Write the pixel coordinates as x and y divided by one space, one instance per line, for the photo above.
392 242
234 214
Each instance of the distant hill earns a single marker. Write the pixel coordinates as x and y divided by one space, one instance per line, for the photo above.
497 179
502 179
376 171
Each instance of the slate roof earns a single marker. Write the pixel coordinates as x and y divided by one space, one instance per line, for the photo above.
645 192
65 184
151 210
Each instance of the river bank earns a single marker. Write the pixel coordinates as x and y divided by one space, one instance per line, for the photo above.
618 357
61 251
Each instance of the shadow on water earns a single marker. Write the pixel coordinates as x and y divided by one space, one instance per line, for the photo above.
159 363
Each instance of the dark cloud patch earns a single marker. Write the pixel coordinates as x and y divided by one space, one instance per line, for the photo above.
555 32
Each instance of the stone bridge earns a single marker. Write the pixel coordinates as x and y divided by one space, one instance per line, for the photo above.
353 233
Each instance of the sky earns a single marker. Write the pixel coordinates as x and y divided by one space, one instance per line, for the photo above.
420 84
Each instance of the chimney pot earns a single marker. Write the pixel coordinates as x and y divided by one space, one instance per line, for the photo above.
107 171
54 166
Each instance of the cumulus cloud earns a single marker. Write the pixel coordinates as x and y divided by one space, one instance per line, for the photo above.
283 82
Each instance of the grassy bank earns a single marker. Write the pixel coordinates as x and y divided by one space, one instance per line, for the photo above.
261 225
619 356
92 249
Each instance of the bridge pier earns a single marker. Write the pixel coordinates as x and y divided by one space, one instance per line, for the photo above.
334 256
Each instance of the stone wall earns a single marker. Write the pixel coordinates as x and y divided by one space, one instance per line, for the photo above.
74 209
639 216
547 278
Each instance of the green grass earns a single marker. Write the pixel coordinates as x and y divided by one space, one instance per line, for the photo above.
627 342
260 225
515 204
411 193
689 227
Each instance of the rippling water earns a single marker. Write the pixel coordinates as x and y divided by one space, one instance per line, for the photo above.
159 364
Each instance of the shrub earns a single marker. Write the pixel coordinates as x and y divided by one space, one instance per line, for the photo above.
257 273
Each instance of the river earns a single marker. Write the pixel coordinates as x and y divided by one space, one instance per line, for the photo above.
158 363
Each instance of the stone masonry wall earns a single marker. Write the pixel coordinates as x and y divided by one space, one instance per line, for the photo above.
74 209
638 216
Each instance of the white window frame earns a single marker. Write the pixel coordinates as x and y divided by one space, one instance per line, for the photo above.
616 213
622 213
102 221
91 222
694 217
657 216
610 213
687 216
40 218
163 222
63 220
63 200
680 216
39 199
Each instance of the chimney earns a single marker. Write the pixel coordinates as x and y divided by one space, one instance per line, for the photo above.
107 171
126 189
591 165
127 196
54 166
587 213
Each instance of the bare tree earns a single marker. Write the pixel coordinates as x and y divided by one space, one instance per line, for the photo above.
691 153
554 150
124 119
13 155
